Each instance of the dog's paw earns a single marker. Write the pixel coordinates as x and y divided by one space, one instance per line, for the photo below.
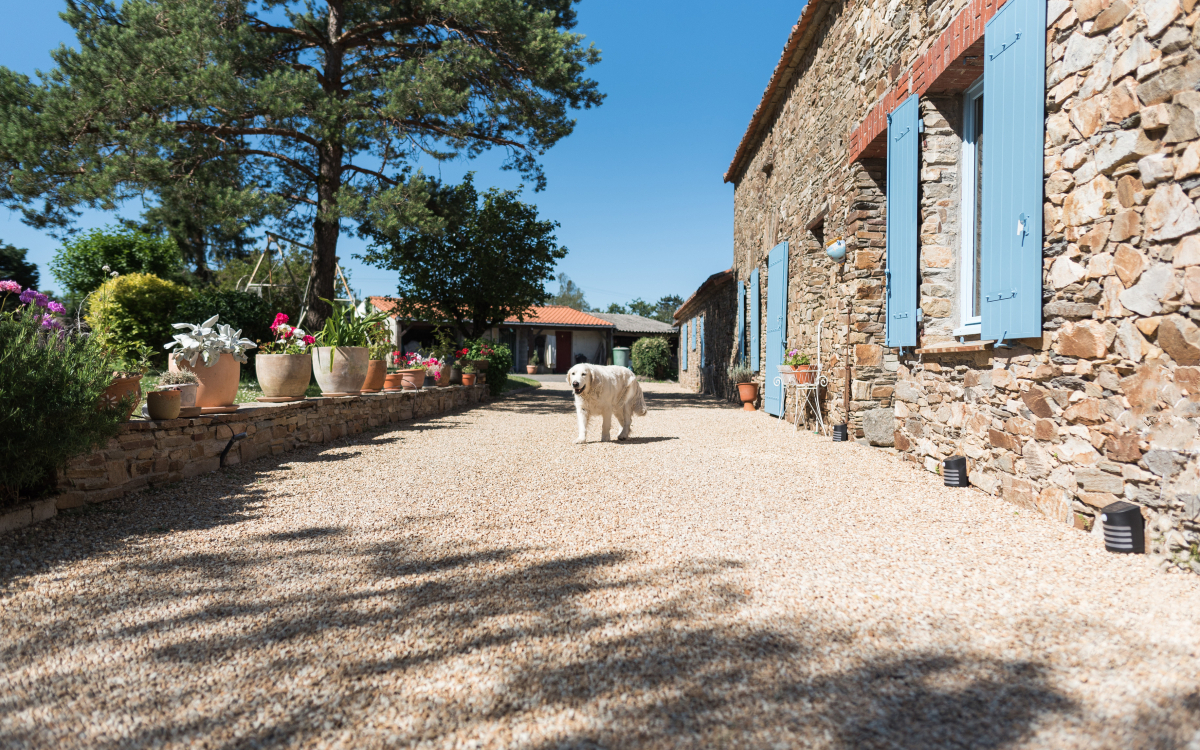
622 436
579 441
605 439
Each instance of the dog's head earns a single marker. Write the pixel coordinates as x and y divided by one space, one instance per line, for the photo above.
579 377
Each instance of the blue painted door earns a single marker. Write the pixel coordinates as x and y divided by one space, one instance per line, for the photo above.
1014 75
741 323
754 322
901 308
684 343
777 284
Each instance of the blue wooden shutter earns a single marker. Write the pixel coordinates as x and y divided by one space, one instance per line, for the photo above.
1014 90
741 323
777 291
684 343
754 324
700 334
902 224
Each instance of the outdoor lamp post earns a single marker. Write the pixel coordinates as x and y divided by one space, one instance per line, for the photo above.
836 251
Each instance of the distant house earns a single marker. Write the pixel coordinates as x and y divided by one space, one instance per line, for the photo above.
561 336
705 348
630 328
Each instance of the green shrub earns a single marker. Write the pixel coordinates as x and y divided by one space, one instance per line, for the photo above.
249 313
50 386
501 361
79 264
134 309
651 356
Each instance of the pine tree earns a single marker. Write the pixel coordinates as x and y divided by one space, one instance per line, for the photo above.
327 106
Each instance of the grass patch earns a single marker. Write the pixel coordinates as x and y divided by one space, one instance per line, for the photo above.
516 381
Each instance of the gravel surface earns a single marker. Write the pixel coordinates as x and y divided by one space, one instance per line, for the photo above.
479 581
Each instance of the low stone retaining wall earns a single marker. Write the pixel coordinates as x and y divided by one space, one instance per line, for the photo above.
149 453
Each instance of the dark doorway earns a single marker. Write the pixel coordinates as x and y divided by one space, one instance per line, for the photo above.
562 352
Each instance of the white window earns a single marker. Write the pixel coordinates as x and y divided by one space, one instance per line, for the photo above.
970 259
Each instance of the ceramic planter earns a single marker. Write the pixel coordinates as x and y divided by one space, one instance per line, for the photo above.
187 398
393 381
748 393
218 383
531 369
444 379
283 377
468 379
163 404
412 379
805 373
340 370
376 372
120 388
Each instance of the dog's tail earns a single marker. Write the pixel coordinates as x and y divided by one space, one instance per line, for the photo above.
639 403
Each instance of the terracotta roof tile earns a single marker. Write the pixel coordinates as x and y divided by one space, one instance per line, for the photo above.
548 315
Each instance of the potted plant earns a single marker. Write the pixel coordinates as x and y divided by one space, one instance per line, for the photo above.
284 365
799 363
747 388
433 372
340 362
469 372
379 344
443 351
215 353
163 403
478 355
532 367
411 368
187 384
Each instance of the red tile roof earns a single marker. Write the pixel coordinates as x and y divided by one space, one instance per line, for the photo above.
548 315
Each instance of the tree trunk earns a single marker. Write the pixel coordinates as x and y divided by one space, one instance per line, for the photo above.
327 226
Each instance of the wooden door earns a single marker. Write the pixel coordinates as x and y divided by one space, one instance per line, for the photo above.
562 352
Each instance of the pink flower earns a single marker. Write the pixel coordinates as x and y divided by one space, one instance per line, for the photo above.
50 323
309 340
54 307
8 286
280 319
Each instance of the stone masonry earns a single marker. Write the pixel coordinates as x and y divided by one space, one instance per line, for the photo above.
1105 405
148 453
712 307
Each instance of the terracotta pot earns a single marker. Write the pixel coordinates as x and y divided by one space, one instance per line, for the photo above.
412 379
531 369
444 378
805 373
748 393
163 404
118 389
346 373
218 383
393 381
376 372
284 375
468 379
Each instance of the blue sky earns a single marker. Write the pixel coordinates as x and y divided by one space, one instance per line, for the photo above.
637 188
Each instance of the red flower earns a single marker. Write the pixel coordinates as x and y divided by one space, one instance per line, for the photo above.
280 319
309 340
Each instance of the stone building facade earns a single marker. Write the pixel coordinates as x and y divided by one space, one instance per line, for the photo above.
705 350
1094 396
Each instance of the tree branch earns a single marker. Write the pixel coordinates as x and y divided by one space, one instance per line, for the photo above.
199 127
371 172
285 159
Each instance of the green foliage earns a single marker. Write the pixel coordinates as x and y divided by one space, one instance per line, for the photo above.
324 106
14 266
134 312
248 313
288 267
741 374
491 262
379 340
50 385
344 328
79 264
651 356
500 358
569 295
662 311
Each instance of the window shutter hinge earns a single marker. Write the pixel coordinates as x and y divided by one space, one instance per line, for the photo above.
920 126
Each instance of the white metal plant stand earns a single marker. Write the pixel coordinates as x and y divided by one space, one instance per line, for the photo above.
806 393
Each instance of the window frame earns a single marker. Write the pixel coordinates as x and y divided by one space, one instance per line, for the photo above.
970 319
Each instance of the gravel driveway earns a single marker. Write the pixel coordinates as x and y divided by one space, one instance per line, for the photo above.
479 581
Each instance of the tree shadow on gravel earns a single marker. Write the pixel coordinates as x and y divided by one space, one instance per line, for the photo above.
601 648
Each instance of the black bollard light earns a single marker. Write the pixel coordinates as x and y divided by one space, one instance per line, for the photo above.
954 471
841 433
1124 529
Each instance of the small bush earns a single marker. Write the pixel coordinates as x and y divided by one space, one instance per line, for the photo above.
50 386
651 356
79 264
501 361
134 309
249 313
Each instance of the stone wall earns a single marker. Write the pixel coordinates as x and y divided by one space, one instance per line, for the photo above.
1106 404
714 305
148 453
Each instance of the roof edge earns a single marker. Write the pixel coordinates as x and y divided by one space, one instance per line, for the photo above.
711 282
778 78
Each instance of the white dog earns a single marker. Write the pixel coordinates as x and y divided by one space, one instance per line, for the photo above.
604 391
